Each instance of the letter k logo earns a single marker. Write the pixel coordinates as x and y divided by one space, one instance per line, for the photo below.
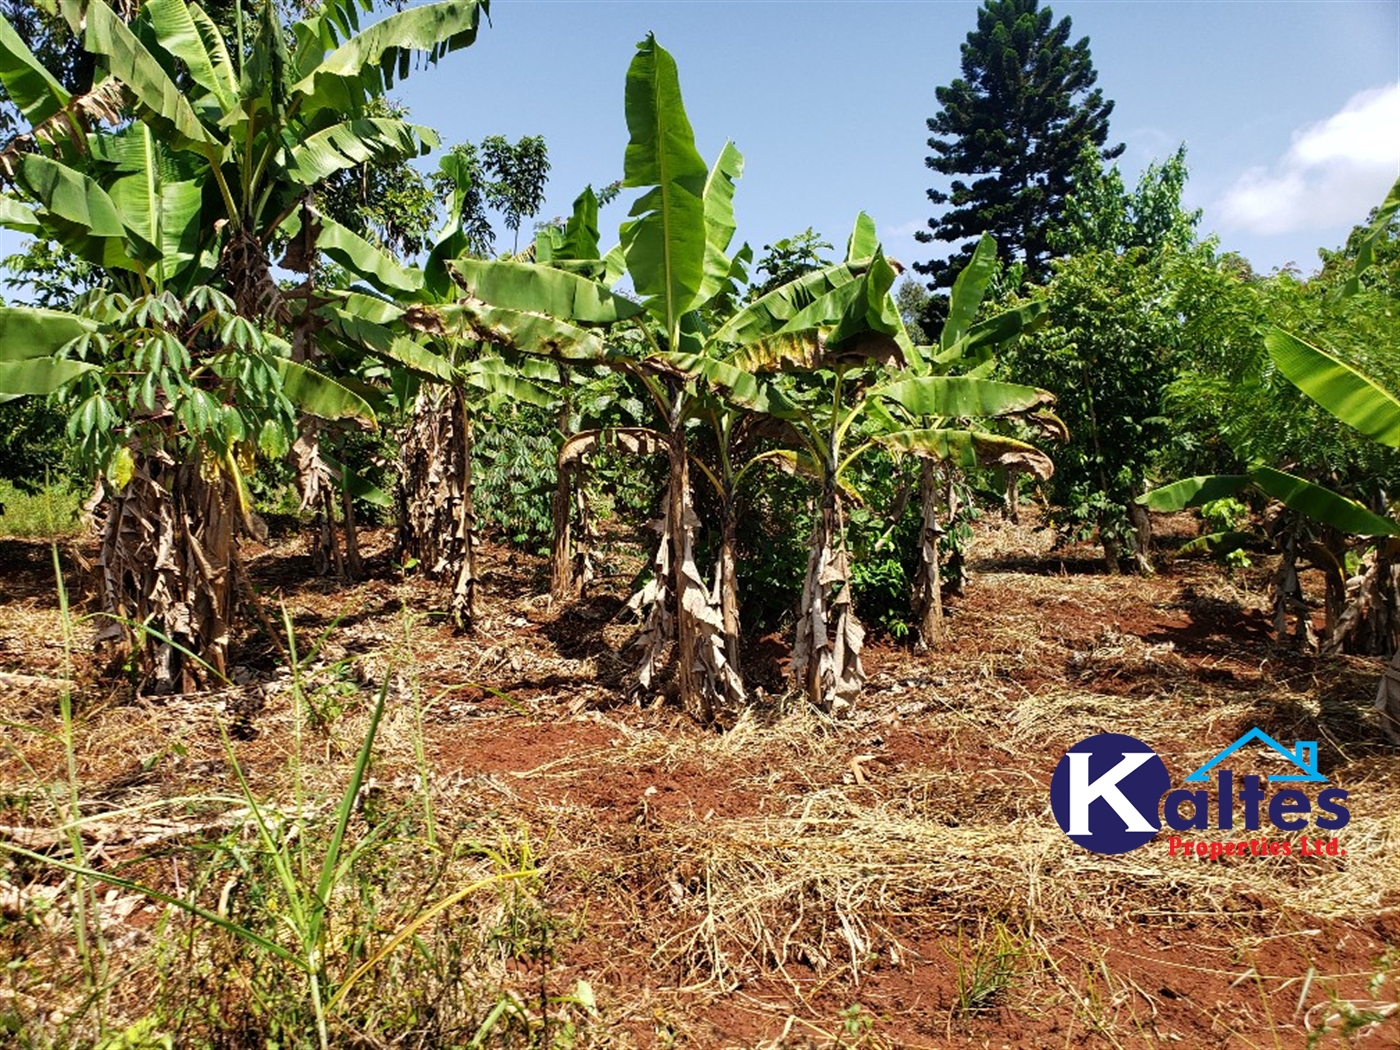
1083 791
1106 792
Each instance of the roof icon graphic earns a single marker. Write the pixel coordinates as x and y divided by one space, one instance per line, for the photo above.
1304 756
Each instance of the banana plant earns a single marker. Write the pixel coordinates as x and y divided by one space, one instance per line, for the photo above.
189 157
946 446
837 372
454 362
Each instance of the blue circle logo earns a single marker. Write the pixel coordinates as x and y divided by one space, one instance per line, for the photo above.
1106 790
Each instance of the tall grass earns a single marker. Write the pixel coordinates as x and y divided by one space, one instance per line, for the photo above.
329 916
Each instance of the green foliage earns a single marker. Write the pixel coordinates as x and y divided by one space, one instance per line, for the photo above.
774 522
386 202
33 512
515 471
33 448
914 303
495 175
174 375
1225 514
1019 119
1102 214
787 259
1232 405
1112 346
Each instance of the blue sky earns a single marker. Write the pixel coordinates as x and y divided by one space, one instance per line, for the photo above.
1290 110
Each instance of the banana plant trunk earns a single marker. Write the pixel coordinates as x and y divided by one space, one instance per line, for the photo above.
826 650
681 609
167 565
1369 625
928 582
437 517
571 558
681 521
563 583
727 582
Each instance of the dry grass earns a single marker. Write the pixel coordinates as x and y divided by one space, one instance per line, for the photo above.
895 878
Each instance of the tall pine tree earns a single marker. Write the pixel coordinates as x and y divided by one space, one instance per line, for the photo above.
1018 121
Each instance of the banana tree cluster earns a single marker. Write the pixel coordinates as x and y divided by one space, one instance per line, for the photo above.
821 363
189 164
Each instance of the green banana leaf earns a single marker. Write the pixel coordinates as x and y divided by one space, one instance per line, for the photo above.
39 376
1365 254
872 309
1192 492
863 242
165 213
1352 397
736 384
1220 544
665 241
497 376
969 449
364 260
370 61
1321 505
954 397
219 58
720 224
320 395
353 142
28 332
518 330
968 292
368 307
31 87
580 238
159 99
15 216
979 341
541 289
176 29
1312 501
372 336
770 313
80 215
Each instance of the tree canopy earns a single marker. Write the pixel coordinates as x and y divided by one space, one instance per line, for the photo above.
1017 123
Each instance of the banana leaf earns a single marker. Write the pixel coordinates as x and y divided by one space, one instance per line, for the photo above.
664 243
542 289
962 397
1354 398
319 395
30 86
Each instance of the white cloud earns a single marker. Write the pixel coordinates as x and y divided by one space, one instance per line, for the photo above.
1334 173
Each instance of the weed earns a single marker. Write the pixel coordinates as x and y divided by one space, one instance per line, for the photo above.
984 975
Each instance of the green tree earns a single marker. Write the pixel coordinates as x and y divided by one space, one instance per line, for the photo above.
1112 347
1018 121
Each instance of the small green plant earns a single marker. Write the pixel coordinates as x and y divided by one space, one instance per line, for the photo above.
1224 515
986 971
1237 559
856 1024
